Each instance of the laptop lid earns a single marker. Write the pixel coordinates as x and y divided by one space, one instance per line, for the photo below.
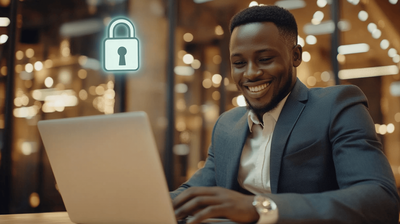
108 169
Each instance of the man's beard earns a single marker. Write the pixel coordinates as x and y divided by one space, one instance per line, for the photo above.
275 98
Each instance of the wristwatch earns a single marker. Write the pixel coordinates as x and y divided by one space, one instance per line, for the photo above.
262 204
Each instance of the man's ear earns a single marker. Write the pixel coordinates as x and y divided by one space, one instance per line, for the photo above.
297 53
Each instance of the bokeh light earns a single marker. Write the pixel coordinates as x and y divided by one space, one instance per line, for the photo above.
48 82
306 56
188 37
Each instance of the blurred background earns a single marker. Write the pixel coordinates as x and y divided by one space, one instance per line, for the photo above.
50 68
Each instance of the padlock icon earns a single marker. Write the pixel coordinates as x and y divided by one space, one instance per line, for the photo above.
121 53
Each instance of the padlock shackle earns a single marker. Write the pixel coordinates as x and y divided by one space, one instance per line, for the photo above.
119 21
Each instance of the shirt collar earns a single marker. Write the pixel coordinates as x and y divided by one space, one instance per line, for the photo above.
274 113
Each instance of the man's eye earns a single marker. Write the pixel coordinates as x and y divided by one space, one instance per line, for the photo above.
239 63
265 59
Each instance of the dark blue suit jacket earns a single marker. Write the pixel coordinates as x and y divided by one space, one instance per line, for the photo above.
326 160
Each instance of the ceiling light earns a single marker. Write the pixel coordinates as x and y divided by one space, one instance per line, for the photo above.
325 27
181 88
353 48
184 70
368 72
4 21
81 28
201 1
3 38
291 4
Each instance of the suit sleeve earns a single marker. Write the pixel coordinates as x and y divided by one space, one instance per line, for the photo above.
367 192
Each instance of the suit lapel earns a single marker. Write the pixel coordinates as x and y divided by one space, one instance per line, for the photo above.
232 157
287 119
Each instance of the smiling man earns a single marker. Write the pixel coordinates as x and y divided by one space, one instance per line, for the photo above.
295 155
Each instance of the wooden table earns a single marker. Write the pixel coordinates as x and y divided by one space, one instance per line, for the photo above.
36 218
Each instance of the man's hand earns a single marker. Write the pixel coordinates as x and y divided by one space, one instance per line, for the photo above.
214 202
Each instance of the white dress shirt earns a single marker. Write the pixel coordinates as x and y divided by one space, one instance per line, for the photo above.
254 169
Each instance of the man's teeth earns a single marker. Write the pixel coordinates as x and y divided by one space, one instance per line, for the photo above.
258 88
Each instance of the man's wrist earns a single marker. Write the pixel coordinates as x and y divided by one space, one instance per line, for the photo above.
266 208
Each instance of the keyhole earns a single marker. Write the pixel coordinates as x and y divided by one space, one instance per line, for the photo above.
122 53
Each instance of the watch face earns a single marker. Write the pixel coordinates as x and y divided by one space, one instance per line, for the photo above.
262 204
266 203
262 210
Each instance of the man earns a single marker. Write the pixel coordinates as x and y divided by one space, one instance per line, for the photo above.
309 155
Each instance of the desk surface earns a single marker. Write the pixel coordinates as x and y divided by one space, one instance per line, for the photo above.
52 218
36 218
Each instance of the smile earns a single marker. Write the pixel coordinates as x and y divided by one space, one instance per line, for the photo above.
258 88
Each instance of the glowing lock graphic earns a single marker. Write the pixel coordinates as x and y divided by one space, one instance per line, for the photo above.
121 53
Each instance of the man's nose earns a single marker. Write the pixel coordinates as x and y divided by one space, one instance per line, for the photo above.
253 71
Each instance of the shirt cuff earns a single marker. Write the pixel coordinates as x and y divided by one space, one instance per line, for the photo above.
270 217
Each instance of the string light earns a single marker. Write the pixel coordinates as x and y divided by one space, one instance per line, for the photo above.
253 3
29 67
392 52
240 100
219 31
363 15
38 65
376 33
311 81
300 41
306 56
48 82
384 44
371 27
217 59
207 83
322 3
311 39
19 55
325 76
217 78
29 53
354 2
188 59
196 64
188 37
317 17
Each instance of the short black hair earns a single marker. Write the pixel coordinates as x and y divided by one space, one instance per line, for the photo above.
281 17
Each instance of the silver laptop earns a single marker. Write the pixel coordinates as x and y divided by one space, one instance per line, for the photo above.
108 169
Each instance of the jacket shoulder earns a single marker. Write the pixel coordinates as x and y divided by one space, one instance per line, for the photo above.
340 95
233 114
